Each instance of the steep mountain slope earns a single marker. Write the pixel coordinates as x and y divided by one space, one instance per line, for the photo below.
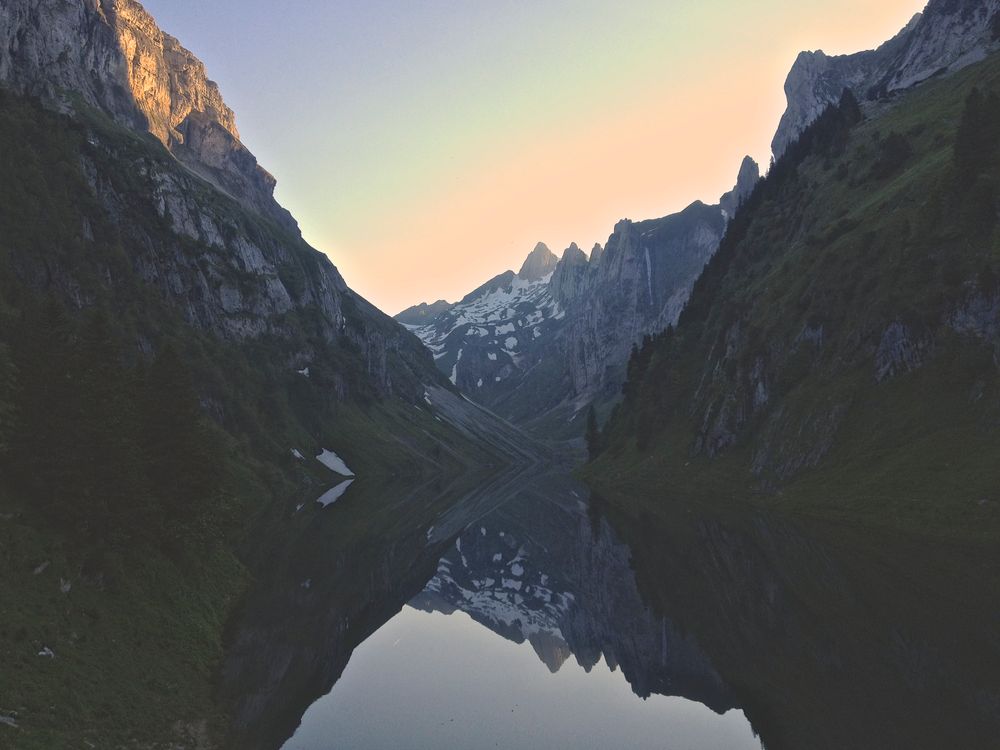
177 233
843 343
947 36
540 346
497 331
423 313
111 56
174 359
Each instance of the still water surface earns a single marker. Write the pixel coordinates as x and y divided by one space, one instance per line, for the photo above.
524 613
429 680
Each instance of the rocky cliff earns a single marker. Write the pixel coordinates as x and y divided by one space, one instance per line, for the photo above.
540 346
746 181
539 263
196 213
111 55
570 276
947 36
845 333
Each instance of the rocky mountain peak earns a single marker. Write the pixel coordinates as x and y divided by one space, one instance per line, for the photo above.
111 55
596 253
540 262
570 277
574 256
746 181
947 36
167 81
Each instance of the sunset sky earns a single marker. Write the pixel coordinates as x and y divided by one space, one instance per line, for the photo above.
427 146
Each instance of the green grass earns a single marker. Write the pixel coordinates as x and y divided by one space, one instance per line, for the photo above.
137 641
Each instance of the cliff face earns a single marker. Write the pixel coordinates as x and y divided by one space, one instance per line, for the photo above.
746 181
845 333
570 276
201 229
947 36
539 263
639 287
539 348
112 55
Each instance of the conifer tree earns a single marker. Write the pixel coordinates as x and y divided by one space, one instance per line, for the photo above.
44 445
107 463
181 458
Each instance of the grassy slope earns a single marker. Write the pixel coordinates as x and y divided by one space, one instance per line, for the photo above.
135 648
916 452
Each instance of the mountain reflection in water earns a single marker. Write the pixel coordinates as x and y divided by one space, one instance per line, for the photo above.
819 636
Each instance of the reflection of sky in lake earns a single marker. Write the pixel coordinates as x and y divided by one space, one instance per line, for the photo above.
433 681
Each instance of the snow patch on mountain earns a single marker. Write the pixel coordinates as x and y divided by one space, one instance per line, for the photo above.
334 463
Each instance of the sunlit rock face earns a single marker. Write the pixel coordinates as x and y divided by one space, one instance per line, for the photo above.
187 214
166 80
947 36
111 55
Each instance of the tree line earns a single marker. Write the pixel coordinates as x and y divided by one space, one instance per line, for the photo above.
115 451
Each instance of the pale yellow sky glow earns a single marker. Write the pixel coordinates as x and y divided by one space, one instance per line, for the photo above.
668 128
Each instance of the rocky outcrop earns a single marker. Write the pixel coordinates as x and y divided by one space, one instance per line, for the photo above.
947 36
195 219
570 277
596 253
539 263
538 350
111 55
639 287
746 181
899 352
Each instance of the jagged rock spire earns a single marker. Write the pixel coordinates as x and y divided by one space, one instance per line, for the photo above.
745 183
540 262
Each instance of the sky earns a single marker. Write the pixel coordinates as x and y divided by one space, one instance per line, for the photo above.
426 145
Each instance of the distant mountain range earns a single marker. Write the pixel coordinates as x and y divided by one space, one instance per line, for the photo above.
540 352
539 346
826 338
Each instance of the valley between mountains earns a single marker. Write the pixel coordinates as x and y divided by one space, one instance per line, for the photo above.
189 393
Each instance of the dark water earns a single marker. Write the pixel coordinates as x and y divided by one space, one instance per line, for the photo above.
524 613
